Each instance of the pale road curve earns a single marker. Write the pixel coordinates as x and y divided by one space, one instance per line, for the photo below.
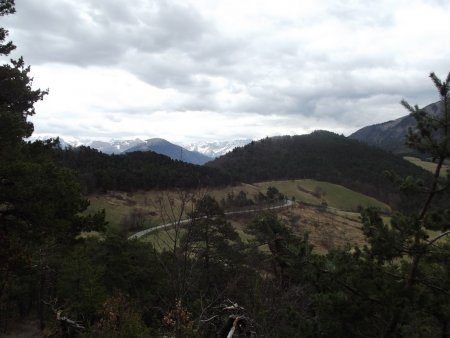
141 233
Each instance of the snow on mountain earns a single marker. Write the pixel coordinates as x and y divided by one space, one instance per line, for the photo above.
64 143
192 152
216 149
114 146
174 151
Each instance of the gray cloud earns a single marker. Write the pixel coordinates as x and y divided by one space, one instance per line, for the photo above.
350 62
102 32
56 31
364 13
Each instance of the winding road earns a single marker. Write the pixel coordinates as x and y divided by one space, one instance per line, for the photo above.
139 234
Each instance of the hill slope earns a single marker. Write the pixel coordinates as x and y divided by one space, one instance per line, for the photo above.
320 155
175 152
391 135
119 204
137 170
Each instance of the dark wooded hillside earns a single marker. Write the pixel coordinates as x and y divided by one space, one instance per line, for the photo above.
137 170
321 155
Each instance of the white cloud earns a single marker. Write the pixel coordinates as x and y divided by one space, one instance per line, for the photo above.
203 69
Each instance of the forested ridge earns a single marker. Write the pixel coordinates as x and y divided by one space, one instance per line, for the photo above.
321 155
66 271
136 171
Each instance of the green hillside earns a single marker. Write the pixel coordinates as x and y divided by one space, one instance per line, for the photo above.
161 206
322 156
427 165
135 171
316 192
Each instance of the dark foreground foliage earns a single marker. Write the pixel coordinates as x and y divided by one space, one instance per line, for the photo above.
207 282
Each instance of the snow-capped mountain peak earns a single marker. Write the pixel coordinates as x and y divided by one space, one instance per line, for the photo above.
216 149
159 145
114 146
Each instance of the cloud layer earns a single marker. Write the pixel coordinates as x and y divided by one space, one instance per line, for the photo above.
191 70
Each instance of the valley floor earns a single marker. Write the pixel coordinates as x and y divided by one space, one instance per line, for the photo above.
326 212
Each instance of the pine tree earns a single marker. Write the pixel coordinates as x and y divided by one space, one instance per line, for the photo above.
40 202
413 250
213 242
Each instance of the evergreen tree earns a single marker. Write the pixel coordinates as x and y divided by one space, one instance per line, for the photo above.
40 202
411 231
214 243
398 284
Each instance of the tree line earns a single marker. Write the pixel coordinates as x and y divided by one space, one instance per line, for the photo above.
323 156
133 171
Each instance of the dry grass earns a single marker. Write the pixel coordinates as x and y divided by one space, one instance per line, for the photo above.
316 192
429 166
326 229
336 225
164 206
158 207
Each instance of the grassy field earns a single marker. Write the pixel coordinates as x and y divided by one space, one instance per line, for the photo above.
326 228
315 192
430 166
163 240
158 207
336 225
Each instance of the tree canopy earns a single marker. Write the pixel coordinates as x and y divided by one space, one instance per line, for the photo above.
323 156
40 201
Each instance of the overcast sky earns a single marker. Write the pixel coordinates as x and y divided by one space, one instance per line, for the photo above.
215 70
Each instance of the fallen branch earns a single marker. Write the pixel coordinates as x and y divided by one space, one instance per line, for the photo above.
233 328
69 321
65 322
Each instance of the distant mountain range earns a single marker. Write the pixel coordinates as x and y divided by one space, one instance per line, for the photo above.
391 135
175 152
216 149
196 153
114 146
